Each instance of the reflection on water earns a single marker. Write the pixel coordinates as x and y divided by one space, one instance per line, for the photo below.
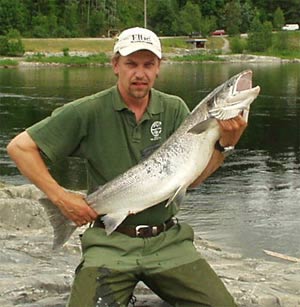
250 204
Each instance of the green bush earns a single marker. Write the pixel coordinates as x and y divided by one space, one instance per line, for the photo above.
66 51
281 41
3 45
11 44
238 45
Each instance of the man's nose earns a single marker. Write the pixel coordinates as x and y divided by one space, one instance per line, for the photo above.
139 72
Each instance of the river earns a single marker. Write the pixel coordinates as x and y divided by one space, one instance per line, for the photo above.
250 204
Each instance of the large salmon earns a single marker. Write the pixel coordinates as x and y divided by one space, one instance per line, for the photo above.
168 172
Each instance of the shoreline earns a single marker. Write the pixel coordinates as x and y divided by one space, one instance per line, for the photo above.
33 275
167 59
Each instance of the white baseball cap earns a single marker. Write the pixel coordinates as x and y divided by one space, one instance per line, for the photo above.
135 39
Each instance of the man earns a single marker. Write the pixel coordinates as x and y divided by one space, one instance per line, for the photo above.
112 130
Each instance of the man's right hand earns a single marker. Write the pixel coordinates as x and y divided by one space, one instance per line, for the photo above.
75 208
26 154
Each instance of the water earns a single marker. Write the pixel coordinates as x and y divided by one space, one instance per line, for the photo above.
248 205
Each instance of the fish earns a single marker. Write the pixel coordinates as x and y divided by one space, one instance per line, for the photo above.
166 174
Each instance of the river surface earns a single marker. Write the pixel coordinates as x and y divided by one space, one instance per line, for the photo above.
250 204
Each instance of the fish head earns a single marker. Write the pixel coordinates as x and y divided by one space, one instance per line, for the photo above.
233 97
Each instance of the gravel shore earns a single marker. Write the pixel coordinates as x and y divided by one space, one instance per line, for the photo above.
33 275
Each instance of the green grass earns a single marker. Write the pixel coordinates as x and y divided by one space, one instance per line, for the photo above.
169 44
91 45
197 58
98 45
283 54
100 58
8 62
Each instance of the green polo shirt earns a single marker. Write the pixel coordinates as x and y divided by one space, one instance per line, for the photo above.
102 130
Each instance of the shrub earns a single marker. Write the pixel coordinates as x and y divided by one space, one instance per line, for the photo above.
66 51
3 45
12 44
238 45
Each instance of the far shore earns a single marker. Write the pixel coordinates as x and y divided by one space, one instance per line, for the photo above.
169 58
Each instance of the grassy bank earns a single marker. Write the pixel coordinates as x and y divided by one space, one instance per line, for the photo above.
101 49
99 58
104 45
8 62
43 45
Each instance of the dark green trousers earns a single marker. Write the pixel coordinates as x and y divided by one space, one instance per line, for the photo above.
168 264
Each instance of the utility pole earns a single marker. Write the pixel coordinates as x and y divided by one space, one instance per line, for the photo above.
145 13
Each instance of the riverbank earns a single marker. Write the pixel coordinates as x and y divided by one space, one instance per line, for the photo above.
86 59
98 51
35 276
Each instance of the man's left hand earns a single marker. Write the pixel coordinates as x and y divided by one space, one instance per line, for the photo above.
231 130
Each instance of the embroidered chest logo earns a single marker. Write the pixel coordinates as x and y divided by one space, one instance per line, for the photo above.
156 130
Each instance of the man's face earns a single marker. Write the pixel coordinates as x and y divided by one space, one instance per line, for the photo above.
137 73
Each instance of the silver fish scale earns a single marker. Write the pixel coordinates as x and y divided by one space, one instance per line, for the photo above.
167 172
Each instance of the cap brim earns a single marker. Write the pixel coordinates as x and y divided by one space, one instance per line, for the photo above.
138 47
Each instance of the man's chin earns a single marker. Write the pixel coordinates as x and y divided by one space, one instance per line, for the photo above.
140 94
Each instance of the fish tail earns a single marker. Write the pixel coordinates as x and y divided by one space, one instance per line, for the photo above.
62 227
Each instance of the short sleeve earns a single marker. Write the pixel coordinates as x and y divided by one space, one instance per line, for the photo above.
59 135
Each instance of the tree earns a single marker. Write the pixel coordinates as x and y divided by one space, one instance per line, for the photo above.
207 25
260 35
190 18
211 8
96 23
247 15
162 17
130 13
278 20
233 17
69 22
12 16
71 18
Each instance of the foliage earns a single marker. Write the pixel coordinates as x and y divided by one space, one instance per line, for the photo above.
95 18
11 44
199 57
8 62
66 51
233 21
163 17
190 19
247 15
260 35
100 58
238 45
208 25
12 15
279 19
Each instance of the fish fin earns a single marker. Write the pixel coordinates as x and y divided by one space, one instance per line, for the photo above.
224 114
201 127
62 227
178 197
113 220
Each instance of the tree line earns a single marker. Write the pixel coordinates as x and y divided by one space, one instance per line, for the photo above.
97 18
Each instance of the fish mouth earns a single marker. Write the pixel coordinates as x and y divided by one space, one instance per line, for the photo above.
235 97
244 84
244 81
